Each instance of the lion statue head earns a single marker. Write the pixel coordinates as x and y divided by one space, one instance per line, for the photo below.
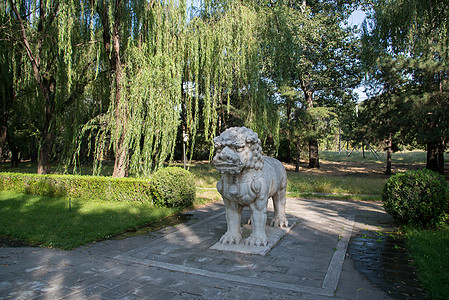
237 148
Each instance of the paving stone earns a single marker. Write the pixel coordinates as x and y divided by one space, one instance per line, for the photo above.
163 294
118 291
59 293
146 290
175 263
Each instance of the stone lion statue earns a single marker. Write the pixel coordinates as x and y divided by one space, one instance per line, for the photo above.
249 179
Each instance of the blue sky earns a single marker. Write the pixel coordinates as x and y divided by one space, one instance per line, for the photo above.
357 18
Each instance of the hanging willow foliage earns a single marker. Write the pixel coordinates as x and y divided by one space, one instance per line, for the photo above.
176 71
51 63
223 70
152 90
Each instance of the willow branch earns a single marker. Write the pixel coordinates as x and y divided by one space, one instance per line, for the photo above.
33 60
79 88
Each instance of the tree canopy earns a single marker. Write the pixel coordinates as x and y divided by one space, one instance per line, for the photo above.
309 50
406 58
122 80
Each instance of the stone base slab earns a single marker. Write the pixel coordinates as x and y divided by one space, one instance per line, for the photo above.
274 234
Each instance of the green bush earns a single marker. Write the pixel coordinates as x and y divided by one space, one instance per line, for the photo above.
169 187
417 197
173 187
73 186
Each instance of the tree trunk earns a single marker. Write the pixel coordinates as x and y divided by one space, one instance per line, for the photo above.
298 156
46 84
432 156
435 157
441 158
121 163
389 151
43 161
339 140
5 106
14 151
48 132
288 153
3 129
314 160
14 156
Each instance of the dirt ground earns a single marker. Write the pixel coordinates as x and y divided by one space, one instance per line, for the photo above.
354 168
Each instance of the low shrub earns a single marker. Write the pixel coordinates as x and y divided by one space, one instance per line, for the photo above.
168 187
173 187
73 186
417 197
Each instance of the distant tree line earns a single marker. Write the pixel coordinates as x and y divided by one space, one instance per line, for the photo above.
406 60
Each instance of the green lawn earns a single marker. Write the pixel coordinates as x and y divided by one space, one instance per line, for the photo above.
300 183
48 221
430 252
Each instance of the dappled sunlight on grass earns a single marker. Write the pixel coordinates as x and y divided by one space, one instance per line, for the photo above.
299 182
348 180
49 222
204 172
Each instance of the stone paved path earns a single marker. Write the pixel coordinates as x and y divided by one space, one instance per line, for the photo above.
310 262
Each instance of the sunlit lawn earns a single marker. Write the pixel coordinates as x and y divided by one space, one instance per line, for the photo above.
301 184
352 184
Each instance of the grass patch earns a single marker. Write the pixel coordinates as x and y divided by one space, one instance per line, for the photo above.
430 251
335 196
351 187
205 174
310 183
47 221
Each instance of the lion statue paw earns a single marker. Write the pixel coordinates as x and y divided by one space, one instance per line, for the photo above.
279 222
229 238
256 240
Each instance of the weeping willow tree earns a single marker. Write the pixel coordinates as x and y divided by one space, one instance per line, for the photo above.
152 86
141 58
57 49
222 69
165 71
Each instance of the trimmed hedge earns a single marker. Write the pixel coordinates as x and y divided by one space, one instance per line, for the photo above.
173 187
418 197
74 186
169 187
